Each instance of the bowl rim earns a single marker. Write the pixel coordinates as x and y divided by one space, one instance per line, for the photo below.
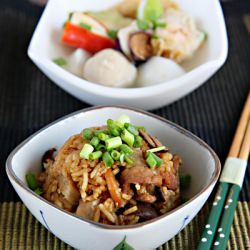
133 92
216 162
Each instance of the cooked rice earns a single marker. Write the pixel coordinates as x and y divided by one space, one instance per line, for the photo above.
130 210
69 179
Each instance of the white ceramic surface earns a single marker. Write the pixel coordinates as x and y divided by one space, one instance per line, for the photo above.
198 159
45 46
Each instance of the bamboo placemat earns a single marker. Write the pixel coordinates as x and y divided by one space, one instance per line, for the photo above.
20 230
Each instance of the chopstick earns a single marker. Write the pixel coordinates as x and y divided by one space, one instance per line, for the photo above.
233 173
223 232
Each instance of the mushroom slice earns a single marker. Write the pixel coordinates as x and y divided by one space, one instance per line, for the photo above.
147 138
156 141
140 46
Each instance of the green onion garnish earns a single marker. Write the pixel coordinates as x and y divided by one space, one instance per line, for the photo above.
100 147
160 25
122 120
107 159
126 149
143 24
95 155
138 141
31 181
60 61
185 180
158 160
128 137
132 129
114 142
94 141
122 158
85 26
97 132
128 160
115 155
103 137
153 150
87 134
86 151
113 128
151 161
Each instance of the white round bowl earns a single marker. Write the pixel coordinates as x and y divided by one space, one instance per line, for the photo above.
45 46
198 159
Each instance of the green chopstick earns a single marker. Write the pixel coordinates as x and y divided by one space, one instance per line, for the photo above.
232 177
223 231
212 222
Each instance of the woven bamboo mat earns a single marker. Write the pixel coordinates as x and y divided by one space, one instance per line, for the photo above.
20 230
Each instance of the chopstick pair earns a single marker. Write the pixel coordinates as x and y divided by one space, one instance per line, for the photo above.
226 198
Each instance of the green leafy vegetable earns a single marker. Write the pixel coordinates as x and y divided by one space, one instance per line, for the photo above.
123 245
85 26
31 181
38 190
60 61
185 180
112 33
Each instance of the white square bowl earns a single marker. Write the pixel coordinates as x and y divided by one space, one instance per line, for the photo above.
198 159
45 46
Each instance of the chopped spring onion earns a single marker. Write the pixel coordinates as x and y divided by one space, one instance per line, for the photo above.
94 141
103 137
97 132
158 160
122 120
107 159
128 160
138 141
115 155
151 160
95 155
132 129
86 151
114 142
100 147
60 61
153 150
122 158
85 26
31 181
38 190
185 180
128 137
87 134
113 128
115 132
160 25
143 24
126 149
